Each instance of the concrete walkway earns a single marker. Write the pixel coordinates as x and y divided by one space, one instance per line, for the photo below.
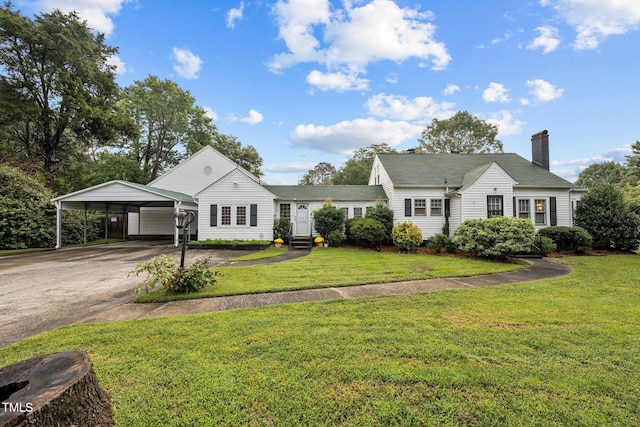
538 269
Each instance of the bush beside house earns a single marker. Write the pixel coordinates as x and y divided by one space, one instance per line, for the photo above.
608 218
406 236
498 237
568 239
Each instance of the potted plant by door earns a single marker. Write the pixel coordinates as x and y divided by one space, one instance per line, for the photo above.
319 241
278 242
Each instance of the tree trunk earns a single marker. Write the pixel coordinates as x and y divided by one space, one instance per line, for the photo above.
59 389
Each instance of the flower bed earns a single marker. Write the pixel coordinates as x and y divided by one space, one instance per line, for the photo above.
245 245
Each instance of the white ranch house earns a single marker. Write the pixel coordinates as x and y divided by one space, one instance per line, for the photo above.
230 203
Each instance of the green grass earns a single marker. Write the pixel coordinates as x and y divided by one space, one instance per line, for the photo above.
327 267
559 352
270 252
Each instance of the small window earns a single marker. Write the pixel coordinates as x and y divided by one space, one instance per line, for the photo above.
494 206
241 215
541 211
524 209
225 215
436 207
420 207
285 211
357 212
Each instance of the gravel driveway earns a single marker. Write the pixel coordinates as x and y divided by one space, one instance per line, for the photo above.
45 290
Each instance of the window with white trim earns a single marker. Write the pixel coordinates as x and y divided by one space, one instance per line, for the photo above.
436 207
420 207
225 215
524 209
541 211
241 215
357 212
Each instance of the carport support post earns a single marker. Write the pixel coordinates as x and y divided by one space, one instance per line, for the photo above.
84 240
176 232
58 224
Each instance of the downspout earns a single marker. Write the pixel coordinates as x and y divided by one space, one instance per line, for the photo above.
176 235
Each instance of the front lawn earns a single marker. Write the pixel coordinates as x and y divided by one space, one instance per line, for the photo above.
558 352
327 267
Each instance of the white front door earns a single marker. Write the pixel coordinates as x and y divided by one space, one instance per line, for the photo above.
302 219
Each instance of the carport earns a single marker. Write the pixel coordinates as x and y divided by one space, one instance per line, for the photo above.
122 197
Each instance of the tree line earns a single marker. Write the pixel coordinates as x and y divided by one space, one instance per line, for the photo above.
64 119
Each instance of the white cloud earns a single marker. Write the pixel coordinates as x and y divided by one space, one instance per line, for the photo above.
115 60
547 40
210 113
338 81
507 124
570 169
595 20
354 36
253 118
96 13
293 167
402 108
234 15
496 92
451 89
392 78
187 64
347 136
543 91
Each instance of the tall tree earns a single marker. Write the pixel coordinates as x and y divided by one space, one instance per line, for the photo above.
461 133
163 112
56 88
321 174
247 157
610 172
356 170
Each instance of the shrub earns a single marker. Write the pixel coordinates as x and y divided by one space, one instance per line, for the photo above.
164 271
545 245
383 214
327 219
497 237
568 239
406 236
27 216
73 227
608 218
335 239
281 227
439 241
367 232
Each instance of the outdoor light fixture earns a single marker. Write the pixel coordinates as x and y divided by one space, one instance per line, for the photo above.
183 219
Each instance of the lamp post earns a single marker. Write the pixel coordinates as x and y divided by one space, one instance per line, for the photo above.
183 219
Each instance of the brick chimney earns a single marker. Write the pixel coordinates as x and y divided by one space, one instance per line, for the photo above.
540 149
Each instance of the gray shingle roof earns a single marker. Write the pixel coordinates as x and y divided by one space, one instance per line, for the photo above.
430 170
336 193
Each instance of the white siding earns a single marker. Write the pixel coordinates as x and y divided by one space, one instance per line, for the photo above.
493 182
455 219
236 189
379 176
196 173
563 203
428 224
154 222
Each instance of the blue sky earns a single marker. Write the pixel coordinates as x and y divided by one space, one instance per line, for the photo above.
309 81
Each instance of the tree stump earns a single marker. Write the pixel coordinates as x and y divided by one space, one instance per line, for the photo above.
59 389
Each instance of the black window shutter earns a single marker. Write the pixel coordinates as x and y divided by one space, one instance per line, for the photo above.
213 221
447 206
253 221
515 210
552 212
407 207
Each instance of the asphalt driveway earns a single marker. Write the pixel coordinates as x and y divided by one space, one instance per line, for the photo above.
45 290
